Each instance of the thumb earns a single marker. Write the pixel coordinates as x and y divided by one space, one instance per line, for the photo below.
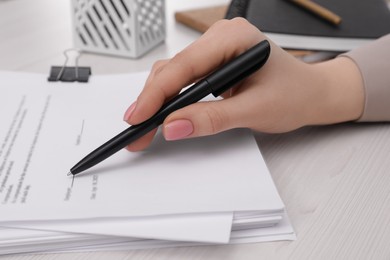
200 119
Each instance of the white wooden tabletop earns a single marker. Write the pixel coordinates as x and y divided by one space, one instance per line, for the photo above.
334 180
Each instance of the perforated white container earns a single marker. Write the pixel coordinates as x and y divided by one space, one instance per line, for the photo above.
127 28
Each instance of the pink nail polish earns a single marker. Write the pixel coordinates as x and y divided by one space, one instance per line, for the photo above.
178 129
129 112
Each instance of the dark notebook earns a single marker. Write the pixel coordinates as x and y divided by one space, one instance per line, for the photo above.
362 21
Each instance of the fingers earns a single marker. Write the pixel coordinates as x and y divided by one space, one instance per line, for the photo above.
203 118
223 41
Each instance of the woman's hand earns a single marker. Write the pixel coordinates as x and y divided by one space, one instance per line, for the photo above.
285 94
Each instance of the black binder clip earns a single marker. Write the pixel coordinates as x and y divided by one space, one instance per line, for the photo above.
69 74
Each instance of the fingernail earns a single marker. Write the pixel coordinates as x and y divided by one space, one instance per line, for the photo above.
178 129
129 112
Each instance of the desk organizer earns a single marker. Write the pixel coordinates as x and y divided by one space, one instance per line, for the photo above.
127 28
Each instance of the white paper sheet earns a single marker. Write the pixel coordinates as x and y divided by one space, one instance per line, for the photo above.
40 241
61 123
172 191
210 228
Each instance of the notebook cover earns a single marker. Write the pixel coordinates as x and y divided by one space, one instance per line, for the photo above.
201 19
360 18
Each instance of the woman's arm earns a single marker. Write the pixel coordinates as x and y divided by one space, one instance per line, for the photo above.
285 94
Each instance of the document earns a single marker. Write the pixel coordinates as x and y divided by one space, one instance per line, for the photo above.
181 191
49 130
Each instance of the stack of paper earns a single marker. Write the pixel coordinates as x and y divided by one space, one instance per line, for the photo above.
214 189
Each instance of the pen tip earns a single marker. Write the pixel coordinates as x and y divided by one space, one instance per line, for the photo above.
69 174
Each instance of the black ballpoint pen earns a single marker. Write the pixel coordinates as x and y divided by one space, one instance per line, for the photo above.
216 83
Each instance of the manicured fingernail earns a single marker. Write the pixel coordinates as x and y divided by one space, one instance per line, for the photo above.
178 129
129 112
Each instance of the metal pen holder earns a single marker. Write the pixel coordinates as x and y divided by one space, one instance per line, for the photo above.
127 28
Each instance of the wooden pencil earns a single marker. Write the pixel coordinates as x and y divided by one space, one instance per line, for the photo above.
318 10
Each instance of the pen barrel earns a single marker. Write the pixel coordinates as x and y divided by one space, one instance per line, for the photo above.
216 83
187 97
239 68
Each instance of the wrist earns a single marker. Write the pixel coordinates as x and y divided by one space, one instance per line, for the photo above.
340 92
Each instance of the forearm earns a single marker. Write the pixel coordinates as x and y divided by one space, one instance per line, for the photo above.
353 86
